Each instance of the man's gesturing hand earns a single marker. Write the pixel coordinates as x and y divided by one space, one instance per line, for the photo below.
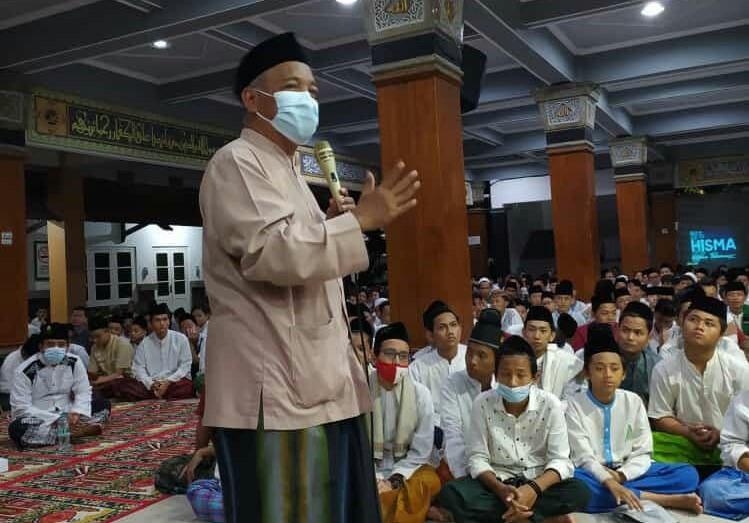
378 206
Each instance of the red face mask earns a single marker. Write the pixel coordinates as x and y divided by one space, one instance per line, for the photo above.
388 371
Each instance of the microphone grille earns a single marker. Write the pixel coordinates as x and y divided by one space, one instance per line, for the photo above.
321 146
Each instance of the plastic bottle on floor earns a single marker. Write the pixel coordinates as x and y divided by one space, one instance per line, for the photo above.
63 432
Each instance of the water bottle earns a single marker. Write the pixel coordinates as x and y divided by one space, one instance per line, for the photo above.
63 432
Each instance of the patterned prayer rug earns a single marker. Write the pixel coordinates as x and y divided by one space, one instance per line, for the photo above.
100 479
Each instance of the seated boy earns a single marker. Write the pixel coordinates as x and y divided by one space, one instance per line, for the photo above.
111 358
402 431
604 310
611 441
726 493
518 453
49 385
557 368
635 324
691 390
461 389
161 366
9 366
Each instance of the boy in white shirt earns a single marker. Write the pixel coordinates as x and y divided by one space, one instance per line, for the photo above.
691 390
402 429
611 441
50 385
443 330
518 453
461 389
726 493
9 366
161 366
556 367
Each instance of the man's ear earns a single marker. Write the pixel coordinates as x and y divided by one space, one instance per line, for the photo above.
249 99
429 336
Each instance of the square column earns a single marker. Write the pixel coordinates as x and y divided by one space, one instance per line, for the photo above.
629 159
67 244
13 257
568 113
416 54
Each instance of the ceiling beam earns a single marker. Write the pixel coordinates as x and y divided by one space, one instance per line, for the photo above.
323 62
349 139
537 50
678 89
107 27
517 114
688 53
344 114
197 87
614 120
508 172
353 80
242 35
515 144
144 6
54 8
695 119
545 12
488 136
539 54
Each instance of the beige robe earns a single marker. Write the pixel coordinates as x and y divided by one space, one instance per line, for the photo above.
273 268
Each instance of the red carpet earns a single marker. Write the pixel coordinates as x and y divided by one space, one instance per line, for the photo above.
101 479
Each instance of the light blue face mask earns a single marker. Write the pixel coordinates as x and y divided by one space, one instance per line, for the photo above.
297 115
54 355
513 394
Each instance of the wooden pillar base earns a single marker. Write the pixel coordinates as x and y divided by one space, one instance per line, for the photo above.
574 215
13 259
420 123
632 210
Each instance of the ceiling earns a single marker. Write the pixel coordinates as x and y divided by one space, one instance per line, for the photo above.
681 78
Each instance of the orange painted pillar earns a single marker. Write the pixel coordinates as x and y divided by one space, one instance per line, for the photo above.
67 244
568 114
663 212
632 209
629 159
13 259
418 81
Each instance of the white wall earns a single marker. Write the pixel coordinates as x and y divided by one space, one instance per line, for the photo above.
39 235
100 234
144 241
538 189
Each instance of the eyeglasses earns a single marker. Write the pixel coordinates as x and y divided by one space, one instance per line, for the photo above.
392 354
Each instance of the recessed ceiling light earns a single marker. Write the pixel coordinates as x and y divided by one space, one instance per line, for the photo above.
346 2
161 44
652 9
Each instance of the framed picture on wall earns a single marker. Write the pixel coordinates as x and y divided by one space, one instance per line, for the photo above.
41 261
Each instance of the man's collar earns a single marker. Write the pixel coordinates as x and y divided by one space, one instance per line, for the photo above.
259 139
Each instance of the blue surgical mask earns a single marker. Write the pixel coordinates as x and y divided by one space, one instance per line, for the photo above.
513 394
54 355
297 115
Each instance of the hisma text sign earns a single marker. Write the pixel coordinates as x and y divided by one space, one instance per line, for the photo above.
712 246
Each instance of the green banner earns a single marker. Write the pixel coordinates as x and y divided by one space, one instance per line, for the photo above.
69 123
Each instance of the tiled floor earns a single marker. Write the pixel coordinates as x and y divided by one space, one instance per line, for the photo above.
177 510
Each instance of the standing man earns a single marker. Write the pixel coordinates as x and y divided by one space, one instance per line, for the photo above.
281 376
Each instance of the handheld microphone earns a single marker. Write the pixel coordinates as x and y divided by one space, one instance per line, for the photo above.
326 160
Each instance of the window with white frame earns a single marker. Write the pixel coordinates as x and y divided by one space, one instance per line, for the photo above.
111 276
